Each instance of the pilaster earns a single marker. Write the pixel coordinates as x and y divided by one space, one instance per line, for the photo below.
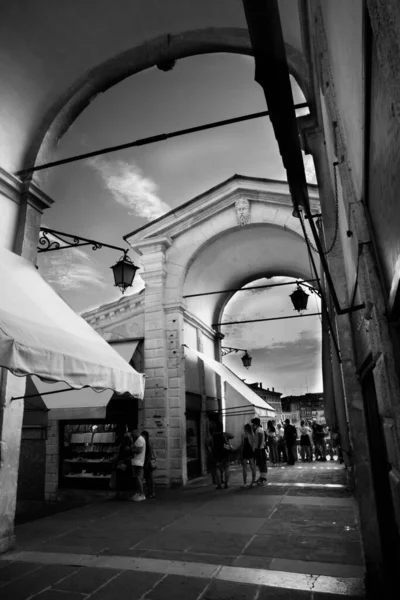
11 415
353 406
176 396
385 23
33 203
52 461
154 412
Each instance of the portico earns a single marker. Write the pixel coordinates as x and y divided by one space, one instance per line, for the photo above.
235 233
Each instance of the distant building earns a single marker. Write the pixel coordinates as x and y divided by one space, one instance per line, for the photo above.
306 406
271 396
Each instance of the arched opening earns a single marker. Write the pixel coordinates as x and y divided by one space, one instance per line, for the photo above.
238 256
106 197
153 52
224 265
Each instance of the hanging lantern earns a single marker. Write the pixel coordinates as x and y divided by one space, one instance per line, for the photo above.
124 272
299 299
246 360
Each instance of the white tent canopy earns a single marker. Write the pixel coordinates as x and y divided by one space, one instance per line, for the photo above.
235 382
41 335
84 403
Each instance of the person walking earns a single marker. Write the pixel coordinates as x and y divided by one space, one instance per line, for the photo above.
259 451
281 446
305 442
221 450
290 437
247 455
336 445
139 453
149 465
272 442
319 441
123 468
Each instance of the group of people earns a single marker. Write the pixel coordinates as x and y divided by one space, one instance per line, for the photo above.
277 443
134 465
219 453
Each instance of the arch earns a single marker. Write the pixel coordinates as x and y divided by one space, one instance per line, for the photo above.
139 58
285 252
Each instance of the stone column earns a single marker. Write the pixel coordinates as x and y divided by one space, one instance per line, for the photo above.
11 415
32 204
154 412
176 396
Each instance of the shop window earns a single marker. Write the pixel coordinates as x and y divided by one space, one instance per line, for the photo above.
87 453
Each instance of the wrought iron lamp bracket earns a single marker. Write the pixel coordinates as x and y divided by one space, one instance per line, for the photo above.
225 350
63 241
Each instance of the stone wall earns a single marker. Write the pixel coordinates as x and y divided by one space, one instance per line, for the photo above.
52 461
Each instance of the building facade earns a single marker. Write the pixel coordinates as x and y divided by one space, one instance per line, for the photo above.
307 406
345 55
270 396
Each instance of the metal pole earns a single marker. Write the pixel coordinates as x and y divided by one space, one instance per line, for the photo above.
47 393
76 237
323 303
256 287
270 319
149 140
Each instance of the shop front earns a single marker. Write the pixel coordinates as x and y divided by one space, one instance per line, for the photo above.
88 449
85 429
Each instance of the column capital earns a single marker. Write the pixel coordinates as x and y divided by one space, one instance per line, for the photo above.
310 133
153 245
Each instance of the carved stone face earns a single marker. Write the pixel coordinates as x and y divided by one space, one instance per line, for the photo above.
242 211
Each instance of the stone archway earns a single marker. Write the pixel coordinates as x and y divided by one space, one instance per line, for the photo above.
163 48
199 247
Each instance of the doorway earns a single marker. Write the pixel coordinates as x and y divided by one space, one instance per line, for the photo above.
381 467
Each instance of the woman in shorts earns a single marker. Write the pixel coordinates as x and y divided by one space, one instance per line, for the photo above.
221 453
247 455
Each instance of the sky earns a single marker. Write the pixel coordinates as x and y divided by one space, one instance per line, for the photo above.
109 196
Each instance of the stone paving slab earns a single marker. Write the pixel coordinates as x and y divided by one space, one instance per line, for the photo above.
35 582
315 500
241 525
101 578
266 542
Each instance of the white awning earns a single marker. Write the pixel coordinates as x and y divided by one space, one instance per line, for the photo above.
84 403
233 380
41 335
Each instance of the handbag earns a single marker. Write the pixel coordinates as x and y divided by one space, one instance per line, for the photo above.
227 445
153 464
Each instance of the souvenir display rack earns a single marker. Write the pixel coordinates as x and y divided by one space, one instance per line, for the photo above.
87 453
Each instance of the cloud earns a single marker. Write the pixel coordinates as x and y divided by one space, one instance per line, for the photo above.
70 269
129 187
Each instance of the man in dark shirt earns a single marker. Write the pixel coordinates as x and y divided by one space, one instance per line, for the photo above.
319 441
290 437
259 451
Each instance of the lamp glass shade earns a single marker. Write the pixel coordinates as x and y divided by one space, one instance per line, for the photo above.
246 360
124 273
299 299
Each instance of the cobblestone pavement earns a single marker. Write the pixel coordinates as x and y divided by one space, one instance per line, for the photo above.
297 538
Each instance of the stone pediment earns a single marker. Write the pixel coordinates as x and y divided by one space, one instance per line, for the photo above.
215 200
